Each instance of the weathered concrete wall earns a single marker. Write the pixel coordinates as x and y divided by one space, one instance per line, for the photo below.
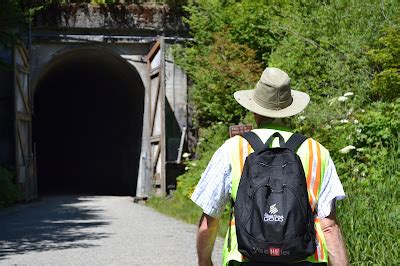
176 105
127 19
43 53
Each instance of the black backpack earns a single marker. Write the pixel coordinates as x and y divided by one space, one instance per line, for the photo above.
273 217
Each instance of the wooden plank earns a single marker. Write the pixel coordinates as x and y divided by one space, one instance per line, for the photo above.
155 138
154 111
153 51
20 144
154 72
25 162
162 101
24 54
156 95
22 69
23 116
154 108
19 86
180 149
157 157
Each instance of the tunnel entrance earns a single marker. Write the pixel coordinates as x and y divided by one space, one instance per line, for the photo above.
87 124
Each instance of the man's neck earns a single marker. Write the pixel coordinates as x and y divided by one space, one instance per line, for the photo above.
276 124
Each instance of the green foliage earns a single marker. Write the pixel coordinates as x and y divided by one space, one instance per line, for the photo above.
210 139
371 175
173 206
345 55
386 83
11 17
218 70
8 190
15 17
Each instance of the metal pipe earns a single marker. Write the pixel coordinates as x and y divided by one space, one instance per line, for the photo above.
105 38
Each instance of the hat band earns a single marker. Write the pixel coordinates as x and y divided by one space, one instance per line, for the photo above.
273 105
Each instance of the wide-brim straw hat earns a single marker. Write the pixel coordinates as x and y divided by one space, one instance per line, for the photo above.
272 96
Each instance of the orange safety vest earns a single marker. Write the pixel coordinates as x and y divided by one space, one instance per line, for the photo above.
314 158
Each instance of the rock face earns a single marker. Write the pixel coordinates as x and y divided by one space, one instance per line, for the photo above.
116 17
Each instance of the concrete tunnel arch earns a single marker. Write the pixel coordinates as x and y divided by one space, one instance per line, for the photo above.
87 124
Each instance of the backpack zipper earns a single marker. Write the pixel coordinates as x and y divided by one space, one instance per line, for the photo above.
264 164
302 209
297 198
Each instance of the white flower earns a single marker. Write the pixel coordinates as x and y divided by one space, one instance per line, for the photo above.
347 149
350 112
186 155
358 130
344 121
194 164
302 117
186 168
220 123
347 94
342 99
355 121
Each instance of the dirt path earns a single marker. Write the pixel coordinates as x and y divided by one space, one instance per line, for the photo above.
94 230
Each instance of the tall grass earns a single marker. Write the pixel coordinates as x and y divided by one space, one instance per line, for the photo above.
370 215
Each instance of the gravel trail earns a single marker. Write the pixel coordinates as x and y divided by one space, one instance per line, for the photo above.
95 230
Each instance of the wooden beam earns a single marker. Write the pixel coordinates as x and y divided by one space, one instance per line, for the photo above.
19 86
157 157
153 51
22 69
153 110
155 138
180 149
155 71
23 116
24 54
20 144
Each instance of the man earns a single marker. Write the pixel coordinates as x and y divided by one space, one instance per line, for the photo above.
271 101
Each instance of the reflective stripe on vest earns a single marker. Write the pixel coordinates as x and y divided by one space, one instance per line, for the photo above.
314 158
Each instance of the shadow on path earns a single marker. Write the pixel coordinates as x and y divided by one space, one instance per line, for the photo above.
53 223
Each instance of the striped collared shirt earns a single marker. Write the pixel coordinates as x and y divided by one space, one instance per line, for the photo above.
214 188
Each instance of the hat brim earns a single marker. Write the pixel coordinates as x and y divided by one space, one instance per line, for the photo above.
300 102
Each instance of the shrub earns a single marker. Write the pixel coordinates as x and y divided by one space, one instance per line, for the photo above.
385 60
218 71
8 190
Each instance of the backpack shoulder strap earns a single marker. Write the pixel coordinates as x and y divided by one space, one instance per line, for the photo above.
254 140
295 141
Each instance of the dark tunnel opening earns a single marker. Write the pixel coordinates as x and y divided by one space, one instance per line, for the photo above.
87 125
